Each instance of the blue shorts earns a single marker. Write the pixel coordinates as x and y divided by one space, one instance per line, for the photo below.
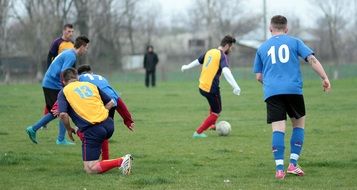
94 137
214 101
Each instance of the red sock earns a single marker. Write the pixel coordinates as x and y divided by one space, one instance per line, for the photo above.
105 150
210 120
124 113
106 165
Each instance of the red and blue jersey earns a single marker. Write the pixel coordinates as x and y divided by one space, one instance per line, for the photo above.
278 61
213 61
63 61
84 102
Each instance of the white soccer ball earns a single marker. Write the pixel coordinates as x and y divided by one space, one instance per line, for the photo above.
223 128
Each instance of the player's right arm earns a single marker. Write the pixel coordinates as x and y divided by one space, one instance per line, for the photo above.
317 67
53 52
194 63
63 106
258 67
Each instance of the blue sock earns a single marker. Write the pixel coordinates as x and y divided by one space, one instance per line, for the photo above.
278 149
296 142
43 121
61 131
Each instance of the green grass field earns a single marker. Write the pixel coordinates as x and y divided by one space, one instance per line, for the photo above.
166 156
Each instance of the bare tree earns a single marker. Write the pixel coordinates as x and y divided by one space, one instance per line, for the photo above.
222 17
334 13
4 9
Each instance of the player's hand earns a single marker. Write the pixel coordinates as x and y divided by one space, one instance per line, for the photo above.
183 68
236 91
326 85
131 127
70 132
55 112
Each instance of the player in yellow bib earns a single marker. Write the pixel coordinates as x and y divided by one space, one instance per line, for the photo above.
214 62
88 108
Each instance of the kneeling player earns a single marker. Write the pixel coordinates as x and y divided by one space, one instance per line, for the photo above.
88 108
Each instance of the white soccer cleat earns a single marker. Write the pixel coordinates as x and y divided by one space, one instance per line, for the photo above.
125 166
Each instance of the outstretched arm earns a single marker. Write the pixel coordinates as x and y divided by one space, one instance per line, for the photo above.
316 65
194 63
230 79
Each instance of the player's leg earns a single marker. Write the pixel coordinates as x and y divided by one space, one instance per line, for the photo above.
50 98
31 130
124 113
61 138
214 101
93 138
276 116
296 112
105 149
45 112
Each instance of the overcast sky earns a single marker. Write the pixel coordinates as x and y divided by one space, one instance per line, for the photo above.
297 8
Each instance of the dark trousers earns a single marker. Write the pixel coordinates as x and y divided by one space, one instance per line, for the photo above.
147 77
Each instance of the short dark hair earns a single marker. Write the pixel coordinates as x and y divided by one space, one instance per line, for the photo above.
67 26
69 74
149 46
279 22
84 69
228 40
80 41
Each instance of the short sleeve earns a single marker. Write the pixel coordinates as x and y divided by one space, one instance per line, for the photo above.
62 102
303 50
201 58
105 97
258 64
224 61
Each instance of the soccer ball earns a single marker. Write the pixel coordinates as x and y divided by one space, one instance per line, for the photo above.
223 128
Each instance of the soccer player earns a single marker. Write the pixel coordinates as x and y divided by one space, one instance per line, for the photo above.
88 108
214 62
52 84
277 67
60 44
86 75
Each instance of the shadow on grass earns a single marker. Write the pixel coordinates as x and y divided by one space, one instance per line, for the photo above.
332 163
12 158
151 180
4 133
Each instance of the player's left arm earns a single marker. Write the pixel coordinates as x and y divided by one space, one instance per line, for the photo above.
259 77
109 103
317 67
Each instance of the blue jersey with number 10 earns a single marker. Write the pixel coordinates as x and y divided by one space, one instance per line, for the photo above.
278 61
101 83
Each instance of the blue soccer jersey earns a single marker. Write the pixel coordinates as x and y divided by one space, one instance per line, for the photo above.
63 61
278 61
101 83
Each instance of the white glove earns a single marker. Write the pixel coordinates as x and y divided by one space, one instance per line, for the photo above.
184 67
236 91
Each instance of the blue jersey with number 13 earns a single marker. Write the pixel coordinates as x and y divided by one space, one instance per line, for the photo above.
278 61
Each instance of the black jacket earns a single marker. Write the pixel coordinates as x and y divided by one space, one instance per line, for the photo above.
150 61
